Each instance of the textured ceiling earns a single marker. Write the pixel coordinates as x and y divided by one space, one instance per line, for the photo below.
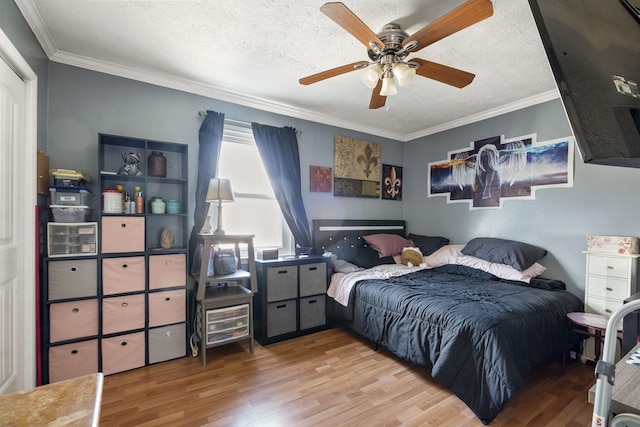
253 52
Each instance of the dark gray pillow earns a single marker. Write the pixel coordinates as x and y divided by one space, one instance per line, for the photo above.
516 254
427 244
367 257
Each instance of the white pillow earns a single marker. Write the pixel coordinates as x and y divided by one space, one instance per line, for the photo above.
342 266
445 255
502 271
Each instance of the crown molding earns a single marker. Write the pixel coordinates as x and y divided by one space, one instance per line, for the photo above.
36 23
184 85
494 112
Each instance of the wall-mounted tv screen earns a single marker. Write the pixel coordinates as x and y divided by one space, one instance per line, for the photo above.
593 47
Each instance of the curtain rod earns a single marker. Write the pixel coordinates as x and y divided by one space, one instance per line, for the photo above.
203 113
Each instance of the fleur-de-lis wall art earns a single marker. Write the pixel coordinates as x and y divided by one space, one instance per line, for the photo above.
392 182
356 168
367 160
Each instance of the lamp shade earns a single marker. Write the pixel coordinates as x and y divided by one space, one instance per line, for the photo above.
388 86
404 73
219 190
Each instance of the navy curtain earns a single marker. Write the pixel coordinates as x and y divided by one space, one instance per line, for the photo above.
210 139
278 149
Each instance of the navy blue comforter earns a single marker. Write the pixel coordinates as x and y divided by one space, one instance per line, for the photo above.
480 336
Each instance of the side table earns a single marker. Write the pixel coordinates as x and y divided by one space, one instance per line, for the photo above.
597 322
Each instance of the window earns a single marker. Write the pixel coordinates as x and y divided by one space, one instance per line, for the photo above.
255 210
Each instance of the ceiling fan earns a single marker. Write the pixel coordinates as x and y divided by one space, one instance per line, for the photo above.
388 50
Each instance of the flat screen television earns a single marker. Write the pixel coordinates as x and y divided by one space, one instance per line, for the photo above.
593 47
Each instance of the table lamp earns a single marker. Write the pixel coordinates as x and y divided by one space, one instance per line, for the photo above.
219 191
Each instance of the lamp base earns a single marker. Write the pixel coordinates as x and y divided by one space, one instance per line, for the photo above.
218 232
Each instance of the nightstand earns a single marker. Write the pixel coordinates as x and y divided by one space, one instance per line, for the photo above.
292 297
225 301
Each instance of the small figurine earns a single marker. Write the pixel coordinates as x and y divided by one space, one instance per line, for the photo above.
166 239
131 164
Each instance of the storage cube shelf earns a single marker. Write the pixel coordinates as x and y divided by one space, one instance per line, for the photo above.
113 299
291 297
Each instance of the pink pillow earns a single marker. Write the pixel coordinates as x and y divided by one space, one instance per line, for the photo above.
388 244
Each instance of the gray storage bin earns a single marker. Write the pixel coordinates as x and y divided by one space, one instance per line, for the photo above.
313 279
282 283
312 312
281 318
72 279
167 342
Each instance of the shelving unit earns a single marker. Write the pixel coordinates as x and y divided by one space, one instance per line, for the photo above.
225 301
122 306
292 297
610 278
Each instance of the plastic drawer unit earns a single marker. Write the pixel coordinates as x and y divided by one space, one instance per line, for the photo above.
72 239
227 323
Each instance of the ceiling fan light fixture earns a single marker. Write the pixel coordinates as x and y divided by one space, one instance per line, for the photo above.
388 86
404 73
371 76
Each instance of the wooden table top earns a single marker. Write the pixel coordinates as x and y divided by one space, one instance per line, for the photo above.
591 320
625 394
73 402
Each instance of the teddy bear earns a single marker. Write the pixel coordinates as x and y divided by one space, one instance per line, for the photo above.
411 257
130 167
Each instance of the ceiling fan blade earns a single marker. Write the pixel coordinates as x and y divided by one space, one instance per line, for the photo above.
459 18
377 100
442 73
344 17
330 73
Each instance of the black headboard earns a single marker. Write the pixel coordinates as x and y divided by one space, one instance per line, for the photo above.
331 232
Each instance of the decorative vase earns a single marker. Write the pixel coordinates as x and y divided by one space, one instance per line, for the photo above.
158 206
157 164
173 206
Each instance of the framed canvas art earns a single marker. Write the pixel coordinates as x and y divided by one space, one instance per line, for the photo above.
356 166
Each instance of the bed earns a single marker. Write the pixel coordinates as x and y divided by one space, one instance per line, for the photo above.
480 335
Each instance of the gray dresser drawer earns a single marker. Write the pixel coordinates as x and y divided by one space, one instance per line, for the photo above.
313 279
167 342
312 312
281 318
282 283
72 279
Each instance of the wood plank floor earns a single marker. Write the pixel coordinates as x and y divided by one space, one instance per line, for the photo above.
331 378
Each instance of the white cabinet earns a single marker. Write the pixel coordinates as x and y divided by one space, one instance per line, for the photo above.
610 278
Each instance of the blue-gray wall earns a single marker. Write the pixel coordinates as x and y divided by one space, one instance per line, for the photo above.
83 103
602 200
